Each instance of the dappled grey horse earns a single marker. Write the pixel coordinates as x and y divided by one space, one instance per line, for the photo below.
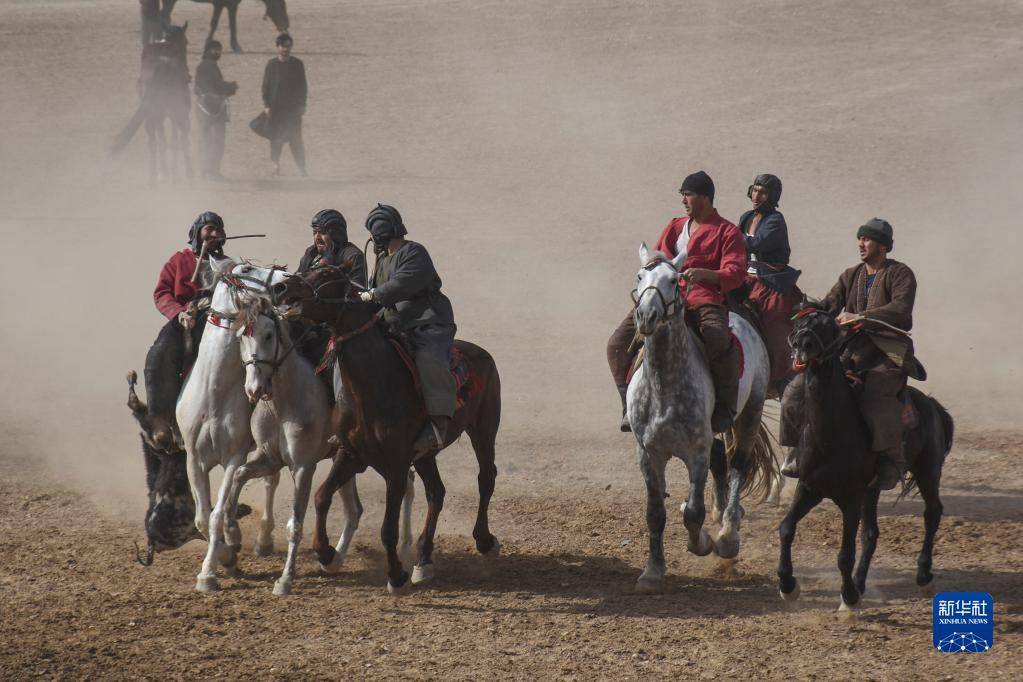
669 403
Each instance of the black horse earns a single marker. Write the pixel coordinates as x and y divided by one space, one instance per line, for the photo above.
276 11
836 461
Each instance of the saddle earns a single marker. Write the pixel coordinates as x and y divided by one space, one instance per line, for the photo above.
468 384
699 343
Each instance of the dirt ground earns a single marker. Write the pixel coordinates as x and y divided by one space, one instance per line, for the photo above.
530 146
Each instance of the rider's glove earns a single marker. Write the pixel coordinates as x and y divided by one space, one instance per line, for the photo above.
185 319
367 296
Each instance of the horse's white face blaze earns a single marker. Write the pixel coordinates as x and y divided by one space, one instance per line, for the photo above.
260 341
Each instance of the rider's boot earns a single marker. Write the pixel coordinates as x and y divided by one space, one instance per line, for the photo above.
725 373
891 465
625 426
431 439
791 466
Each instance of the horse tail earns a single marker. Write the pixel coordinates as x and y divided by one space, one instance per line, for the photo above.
124 137
947 427
938 433
763 469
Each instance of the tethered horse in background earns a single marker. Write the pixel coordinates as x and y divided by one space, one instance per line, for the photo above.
159 12
163 89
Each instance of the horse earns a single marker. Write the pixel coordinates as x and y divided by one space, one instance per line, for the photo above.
164 95
213 417
669 402
291 425
275 10
836 461
389 414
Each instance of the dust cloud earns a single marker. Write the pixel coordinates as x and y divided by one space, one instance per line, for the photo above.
531 147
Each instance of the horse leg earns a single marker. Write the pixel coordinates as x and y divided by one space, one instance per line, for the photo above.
728 540
200 483
303 483
652 466
261 465
232 20
719 472
185 146
397 577
847 553
265 539
341 471
427 469
151 151
927 482
349 495
694 513
206 581
218 7
868 543
483 444
803 501
406 515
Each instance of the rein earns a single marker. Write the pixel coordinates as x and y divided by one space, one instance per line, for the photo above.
830 349
671 308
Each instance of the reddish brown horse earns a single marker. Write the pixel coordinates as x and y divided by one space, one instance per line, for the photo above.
386 413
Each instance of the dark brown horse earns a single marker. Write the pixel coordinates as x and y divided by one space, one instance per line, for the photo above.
387 413
276 11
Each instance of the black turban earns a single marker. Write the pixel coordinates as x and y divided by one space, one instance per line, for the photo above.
204 219
698 183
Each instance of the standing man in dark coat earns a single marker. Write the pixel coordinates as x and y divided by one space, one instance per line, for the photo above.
211 93
408 286
284 99
878 288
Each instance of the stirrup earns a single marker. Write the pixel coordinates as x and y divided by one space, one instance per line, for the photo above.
429 440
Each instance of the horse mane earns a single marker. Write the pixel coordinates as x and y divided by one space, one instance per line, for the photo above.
249 310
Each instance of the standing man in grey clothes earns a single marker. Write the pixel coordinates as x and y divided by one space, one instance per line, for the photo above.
406 283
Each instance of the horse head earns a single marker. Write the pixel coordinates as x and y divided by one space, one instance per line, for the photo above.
656 297
318 295
264 344
237 282
816 336
277 12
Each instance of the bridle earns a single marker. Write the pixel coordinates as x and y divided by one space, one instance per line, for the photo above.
672 307
278 359
341 301
827 350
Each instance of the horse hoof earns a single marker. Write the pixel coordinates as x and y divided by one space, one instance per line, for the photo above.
326 556
263 550
422 574
847 611
727 547
705 546
401 589
790 596
928 590
282 588
232 571
726 568
649 585
494 551
206 584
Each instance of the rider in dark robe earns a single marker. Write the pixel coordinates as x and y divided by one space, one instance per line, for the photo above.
171 354
715 264
406 283
772 282
879 357
211 93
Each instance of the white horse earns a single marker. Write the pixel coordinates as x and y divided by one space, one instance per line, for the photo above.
213 417
292 427
669 403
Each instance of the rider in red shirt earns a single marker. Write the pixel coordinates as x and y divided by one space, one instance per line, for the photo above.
168 357
715 264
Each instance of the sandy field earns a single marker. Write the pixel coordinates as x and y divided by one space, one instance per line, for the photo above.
531 146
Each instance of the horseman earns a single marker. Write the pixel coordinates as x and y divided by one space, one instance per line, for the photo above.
211 93
331 246
879 358
715 264
772 282
177 290
406 283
